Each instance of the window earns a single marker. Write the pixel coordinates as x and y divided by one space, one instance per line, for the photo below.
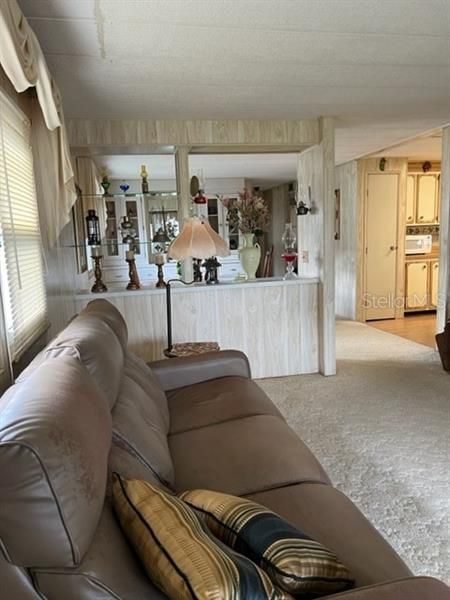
21 266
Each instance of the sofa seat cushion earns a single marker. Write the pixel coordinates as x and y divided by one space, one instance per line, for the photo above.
295 562
242 456
178 551
412 588
329 517
109 570
212 402
16 582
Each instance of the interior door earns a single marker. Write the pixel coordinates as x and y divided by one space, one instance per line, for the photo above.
381 246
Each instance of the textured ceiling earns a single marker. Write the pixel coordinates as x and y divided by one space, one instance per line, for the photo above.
382 67
421 148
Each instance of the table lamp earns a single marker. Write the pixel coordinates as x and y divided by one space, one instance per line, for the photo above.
197 240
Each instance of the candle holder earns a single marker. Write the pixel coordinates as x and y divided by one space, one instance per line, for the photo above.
161 283
134 283
98 287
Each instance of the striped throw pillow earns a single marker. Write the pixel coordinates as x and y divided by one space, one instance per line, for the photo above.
179 553
294 561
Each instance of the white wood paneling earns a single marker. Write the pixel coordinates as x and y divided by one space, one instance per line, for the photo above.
275 323
62 280
327 324
316 236
278 199
251 132
443 311
347 245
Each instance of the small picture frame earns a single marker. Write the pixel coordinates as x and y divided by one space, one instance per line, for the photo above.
337 226
79 233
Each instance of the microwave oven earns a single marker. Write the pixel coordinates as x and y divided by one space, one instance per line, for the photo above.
418 244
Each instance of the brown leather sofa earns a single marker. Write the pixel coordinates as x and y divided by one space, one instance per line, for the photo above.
86 407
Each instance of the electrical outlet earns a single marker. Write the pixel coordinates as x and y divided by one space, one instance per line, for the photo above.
305 256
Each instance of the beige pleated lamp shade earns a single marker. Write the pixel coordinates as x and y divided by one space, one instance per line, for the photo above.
197 240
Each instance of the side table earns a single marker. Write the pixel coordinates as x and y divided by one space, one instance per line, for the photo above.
190 348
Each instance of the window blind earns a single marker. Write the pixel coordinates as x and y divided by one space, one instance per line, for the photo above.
21 266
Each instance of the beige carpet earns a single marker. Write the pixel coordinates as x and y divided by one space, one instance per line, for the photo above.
381 429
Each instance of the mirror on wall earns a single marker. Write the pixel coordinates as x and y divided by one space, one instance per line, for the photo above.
270 176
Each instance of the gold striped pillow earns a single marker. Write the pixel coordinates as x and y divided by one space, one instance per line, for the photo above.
294 561
178 551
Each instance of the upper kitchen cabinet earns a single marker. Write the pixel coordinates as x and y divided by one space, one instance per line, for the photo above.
422 198
410 199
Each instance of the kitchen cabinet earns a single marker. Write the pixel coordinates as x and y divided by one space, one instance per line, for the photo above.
434 282
421 285
422 198
410 199
416 285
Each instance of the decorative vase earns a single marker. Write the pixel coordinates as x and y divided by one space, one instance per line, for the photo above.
250 255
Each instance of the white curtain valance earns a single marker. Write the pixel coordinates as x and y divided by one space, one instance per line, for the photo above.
17 48
24 63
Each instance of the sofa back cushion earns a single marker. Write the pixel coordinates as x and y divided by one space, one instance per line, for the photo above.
109 314
137 370
55 436
141 420
92 341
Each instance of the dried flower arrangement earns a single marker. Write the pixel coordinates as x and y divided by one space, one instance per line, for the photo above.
249 212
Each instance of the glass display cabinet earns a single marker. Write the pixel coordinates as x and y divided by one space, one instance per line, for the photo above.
154 220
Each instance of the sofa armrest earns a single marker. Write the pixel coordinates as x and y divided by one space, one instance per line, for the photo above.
412 588
175 373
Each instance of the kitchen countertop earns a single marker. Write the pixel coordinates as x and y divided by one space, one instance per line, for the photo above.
433 255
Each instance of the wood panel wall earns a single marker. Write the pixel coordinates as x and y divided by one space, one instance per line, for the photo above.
278 199
316 236
276 325
347 246
296 133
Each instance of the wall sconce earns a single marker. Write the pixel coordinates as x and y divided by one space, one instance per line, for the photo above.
302 207
382 164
